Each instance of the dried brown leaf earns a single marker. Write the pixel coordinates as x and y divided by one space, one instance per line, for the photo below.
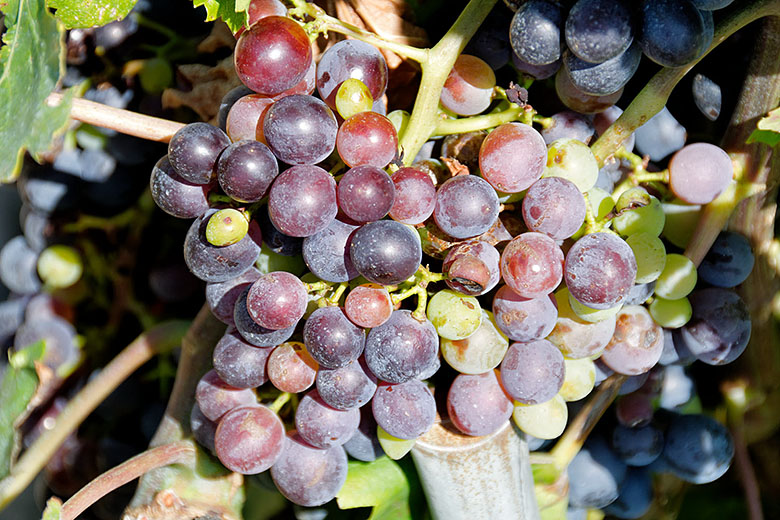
209 86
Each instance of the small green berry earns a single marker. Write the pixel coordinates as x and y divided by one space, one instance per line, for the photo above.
226 227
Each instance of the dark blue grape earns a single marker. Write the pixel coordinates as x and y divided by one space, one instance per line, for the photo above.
277 241
604 78
599 30
246 169
222 296
637 446
719 329
174 195
385 252
491 41
595 475
19 266
728 262
673 32
636 495
675 351
698 448
707 96
535 32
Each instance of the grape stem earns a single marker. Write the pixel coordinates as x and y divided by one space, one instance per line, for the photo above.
156 340
655 94
435 69
176 453
125 121
474 123
280 401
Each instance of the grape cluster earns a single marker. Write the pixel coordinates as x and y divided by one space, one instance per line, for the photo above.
290 196
594 47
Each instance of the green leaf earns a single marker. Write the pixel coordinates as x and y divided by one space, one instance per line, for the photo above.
381 484
232 12
53 509
768 129
30 66
90 13
17 387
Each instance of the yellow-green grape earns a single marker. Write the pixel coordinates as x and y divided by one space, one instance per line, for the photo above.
353 97
60 266
482 351
671 314
400 120
640 213
226 226
579 379
545 420
572 160
552 500
585 313
681 221
677 279
454 315
156 75
394 447
650 255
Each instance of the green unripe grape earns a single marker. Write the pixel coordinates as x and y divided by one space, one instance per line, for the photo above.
678 278
353 97
572 160
400 120
585 313
544 420
681 221
394 447
60 266
454 315
601 202
226 226
640 213
579 379
671 314
269 261
650 256
156 75
482 351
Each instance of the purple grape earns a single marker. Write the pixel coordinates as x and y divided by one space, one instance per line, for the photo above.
245 170
323 426
532 373
523 319
327 253
215 397
300 129
351 59
217 264
364 444
254 333
466 206
194 149
402 348
555 207
249 439
222 296
719 329
302 201
385 252
406 410
477 404
238 363
174 195
331 339
350 386
366 193
277 300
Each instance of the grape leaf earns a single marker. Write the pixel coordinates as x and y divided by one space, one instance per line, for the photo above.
90 13
768 129
381 484
31 62
17 387
232 12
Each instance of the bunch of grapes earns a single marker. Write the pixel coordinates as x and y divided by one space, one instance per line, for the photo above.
588 285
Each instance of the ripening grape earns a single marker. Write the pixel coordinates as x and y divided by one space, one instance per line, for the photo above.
323 426
585 313
300 129
480 352
454 315
555 207
251 331
273 55
637 343
331 339
415 196
546 420
365 193
174 195
249 439
385 252
327 253
650 254
468 89
276 300
351 59
699 172
524 319
532 265
193 151
302 201
215 397
367 138
572 160
347 387
238 363
402 348
217 264
574 337
512 157
368 305
245 118
472 267
579 101
353 97
245 170
291 368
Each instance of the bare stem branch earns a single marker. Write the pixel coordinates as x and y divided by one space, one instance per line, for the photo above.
147 345
177 453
